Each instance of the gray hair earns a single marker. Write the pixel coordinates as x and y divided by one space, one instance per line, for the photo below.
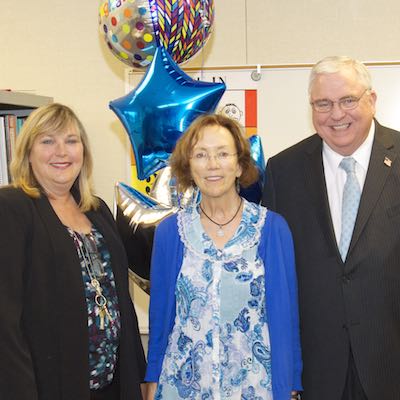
333 64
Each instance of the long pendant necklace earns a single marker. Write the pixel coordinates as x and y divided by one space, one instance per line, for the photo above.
95 272
220 231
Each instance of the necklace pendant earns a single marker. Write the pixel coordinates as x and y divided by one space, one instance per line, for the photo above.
220 231
102 318
96 285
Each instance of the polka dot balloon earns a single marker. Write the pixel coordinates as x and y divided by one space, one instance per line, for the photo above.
134 28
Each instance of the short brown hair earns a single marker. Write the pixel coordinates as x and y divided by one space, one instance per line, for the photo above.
180 158
54 117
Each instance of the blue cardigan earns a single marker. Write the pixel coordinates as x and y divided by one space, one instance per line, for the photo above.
276 250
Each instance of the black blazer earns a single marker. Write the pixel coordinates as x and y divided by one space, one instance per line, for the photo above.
353 305
43 328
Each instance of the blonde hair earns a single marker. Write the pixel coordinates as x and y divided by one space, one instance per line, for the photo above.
334 64
51 118
180 158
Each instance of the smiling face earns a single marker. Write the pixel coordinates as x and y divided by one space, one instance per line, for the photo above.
215 177
343 130
56 160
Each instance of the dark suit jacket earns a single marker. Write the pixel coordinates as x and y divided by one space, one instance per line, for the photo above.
355 304
43 327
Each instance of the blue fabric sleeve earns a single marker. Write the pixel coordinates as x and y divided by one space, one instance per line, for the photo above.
276 249
165 265
289 265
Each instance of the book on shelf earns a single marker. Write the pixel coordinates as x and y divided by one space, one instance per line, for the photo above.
20 121
15 107
10 124
3 154
8 139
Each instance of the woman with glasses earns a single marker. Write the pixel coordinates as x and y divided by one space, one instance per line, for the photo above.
223 303
68 329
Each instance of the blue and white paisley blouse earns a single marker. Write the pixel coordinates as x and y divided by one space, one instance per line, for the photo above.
219 347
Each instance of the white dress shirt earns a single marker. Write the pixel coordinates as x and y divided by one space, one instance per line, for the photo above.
335 177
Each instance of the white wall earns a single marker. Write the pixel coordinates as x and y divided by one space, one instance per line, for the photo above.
54 48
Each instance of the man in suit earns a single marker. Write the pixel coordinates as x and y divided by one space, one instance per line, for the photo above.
346 228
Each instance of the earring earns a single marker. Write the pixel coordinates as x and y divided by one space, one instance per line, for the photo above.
237 185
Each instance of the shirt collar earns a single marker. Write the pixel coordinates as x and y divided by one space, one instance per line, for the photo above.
362 155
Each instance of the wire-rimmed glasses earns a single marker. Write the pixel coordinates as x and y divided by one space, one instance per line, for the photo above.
202 157
345 103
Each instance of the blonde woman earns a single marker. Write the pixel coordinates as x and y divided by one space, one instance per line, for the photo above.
68 329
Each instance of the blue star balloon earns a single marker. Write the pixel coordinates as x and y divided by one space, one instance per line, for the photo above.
256 151
161 108
254 192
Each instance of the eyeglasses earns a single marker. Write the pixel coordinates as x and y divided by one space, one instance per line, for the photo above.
345 103
202 157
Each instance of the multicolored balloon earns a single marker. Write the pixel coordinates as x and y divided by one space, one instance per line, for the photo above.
133 29
157 112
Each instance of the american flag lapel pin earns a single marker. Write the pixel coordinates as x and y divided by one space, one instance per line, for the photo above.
387 161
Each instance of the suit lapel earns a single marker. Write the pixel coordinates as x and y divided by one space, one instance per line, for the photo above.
377 174
316 186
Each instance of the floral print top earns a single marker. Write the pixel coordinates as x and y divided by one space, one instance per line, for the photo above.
219 346
103 343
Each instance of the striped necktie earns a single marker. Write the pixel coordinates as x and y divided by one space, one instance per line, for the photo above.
350 202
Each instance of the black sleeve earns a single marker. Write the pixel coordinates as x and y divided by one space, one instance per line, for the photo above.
17 377
268 198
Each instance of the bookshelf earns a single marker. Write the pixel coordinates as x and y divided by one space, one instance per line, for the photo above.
14 108
19 103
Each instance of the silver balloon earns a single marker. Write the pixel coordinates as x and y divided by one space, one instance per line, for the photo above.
140 209
137 216
144 284
165 192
